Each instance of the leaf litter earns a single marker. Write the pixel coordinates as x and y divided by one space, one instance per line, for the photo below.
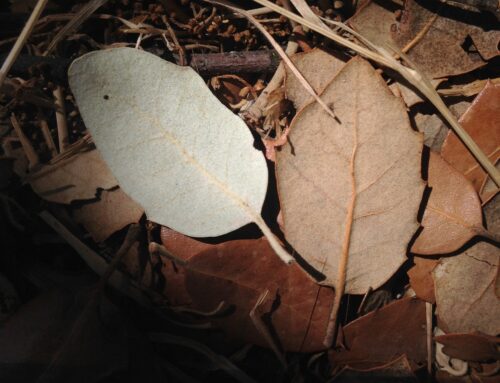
236 284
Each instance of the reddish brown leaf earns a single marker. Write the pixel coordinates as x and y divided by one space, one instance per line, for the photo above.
421 278
482 122
453 213
384 335
398 370
433 38
475 347
238 272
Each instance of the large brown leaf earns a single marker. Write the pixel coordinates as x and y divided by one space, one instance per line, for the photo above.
453 213
437 38
382 336
318 67
76 178
482 122
355 186
238 272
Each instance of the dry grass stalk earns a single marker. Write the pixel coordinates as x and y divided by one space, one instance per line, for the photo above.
261 327
83 14
21 40
429 332
306 12
30 152
385 58
44 127
62 124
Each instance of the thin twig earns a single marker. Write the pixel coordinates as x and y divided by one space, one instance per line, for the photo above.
171 32
117 280
29 151
219 360
91 308
62 123
156 248
420 35
263 330
428 321
21 40
44 127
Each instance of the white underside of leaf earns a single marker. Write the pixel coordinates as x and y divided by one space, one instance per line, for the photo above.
174 148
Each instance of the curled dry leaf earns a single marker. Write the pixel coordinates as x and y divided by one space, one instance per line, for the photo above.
453 213
384 335
474 347
113 211
174 148
482 122
421 278
360 196
237 272
76 178
465 291
318 67
434 40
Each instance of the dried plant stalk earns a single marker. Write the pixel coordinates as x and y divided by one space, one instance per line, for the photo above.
29 151
26 32
44 127
83 14
62 124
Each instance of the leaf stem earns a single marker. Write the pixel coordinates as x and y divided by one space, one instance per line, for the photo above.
273 241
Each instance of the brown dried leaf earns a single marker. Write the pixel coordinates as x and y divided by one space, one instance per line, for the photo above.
474 347
453 213
76 178
112 212
482 122
384 335
318 67
238 272
437 37
465 291
433 126
398 370
373 21
315 180
421 278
